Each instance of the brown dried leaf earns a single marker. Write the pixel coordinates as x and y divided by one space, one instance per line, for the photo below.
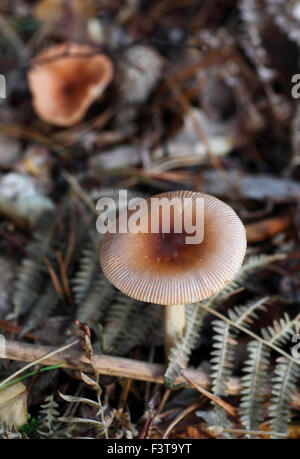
13 405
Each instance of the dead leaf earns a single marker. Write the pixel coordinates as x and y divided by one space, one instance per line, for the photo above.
264 229
13 405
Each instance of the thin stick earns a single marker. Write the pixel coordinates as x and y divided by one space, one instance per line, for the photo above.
41 358
228 408
105 365
64 275
181 416
158 411
79 191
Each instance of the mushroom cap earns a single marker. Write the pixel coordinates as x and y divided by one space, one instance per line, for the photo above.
161 268
64 81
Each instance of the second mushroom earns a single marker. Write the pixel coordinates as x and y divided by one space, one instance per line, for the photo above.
65 80
162 268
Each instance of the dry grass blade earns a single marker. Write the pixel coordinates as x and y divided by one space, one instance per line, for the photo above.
42 358
225 406
181 416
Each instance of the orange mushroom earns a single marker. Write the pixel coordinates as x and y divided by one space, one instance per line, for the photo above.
162 268
65 80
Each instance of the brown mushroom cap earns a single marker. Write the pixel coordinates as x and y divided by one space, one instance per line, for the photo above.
161 268
65 80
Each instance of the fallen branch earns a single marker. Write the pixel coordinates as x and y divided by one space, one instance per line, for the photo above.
104 364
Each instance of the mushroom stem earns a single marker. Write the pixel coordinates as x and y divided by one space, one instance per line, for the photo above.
174 325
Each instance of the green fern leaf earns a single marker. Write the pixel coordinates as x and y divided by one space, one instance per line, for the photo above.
86 273
244 315
281 331
92 291
31 277
127 323
222 356
284 385
256 374
222 363
180 353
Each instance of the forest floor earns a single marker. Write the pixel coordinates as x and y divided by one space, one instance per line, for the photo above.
200 96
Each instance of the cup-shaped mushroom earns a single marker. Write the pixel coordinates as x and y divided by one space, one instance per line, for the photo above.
65 80
173 266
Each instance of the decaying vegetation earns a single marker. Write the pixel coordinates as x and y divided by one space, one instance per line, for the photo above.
201 99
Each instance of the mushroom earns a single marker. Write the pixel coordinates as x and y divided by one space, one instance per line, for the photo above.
65 80
162 268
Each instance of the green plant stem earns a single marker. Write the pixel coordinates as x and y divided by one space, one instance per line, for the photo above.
32 373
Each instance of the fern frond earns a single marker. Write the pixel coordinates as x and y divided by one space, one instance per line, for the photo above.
281 331
244 315
222 363
49 417
284 18
48 299
86 273
102 425
256 373
127 323
180 353
30 279
139 325
97 300
253 263
222 356
46 303
284 385
9 433
92 291
223 348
